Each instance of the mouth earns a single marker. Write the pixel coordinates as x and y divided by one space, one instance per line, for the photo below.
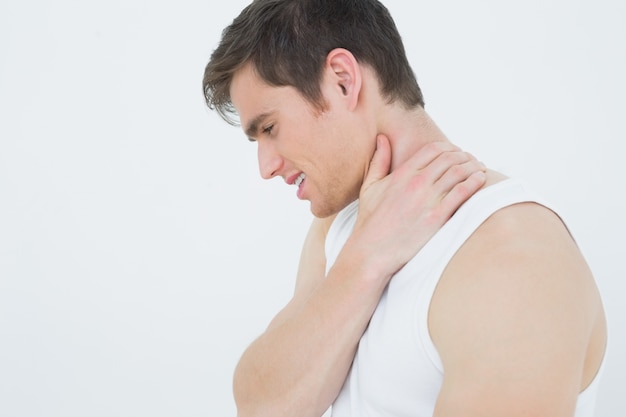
299 180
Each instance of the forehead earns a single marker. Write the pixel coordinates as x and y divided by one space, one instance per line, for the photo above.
245 81
252 96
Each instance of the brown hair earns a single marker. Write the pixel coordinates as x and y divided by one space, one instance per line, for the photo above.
287 41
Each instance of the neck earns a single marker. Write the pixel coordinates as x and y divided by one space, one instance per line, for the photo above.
408 131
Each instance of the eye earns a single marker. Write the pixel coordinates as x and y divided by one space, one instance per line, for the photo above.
268 130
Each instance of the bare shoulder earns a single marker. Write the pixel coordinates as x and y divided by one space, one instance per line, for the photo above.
519 288
521 245
529 242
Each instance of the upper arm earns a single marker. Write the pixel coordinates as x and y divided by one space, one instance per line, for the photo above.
311 269
512 318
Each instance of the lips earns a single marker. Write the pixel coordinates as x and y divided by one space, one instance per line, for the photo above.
299 180
291 179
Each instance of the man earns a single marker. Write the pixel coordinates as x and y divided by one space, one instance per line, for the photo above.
494 314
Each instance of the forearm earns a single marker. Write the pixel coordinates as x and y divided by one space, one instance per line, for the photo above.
298 367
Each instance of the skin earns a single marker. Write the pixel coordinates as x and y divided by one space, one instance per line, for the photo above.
304 141
519 277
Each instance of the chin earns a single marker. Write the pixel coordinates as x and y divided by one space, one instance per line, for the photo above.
327 210
321 211
322 214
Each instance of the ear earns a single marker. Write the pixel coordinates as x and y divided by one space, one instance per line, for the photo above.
344 75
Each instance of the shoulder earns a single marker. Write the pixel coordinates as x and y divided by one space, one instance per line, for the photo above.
521 252
523 241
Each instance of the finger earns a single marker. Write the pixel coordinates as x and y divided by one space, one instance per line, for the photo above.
427 154
458 172
449 164
462 191
381 162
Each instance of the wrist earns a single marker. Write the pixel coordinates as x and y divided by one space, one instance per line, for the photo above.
366 263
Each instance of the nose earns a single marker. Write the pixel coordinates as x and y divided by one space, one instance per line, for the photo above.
270 162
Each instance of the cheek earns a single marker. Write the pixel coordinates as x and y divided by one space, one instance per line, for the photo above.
337 149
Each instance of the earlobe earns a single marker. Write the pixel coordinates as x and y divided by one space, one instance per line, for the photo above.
346 75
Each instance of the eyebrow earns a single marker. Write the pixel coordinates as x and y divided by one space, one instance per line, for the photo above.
253 127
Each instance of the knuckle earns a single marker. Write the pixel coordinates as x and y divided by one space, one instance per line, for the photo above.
435 216
452 158
458 171
462 189
417 182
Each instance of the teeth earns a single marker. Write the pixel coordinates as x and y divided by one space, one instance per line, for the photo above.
300 179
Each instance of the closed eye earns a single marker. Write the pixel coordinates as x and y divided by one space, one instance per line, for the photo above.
268 130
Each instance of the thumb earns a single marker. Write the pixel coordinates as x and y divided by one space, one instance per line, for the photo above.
380 163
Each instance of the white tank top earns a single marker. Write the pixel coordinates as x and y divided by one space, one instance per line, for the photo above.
397 370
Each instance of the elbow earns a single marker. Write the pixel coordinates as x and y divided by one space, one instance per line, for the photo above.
262 393
256 399
253 408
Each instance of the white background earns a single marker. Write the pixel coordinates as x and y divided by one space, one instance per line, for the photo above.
139 250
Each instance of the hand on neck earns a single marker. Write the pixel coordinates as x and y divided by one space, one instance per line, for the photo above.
408 131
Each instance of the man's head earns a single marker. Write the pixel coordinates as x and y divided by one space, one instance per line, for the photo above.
309 81
287 43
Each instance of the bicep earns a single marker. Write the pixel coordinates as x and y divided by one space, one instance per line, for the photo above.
511 320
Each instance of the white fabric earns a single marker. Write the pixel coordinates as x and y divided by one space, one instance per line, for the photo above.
397 370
